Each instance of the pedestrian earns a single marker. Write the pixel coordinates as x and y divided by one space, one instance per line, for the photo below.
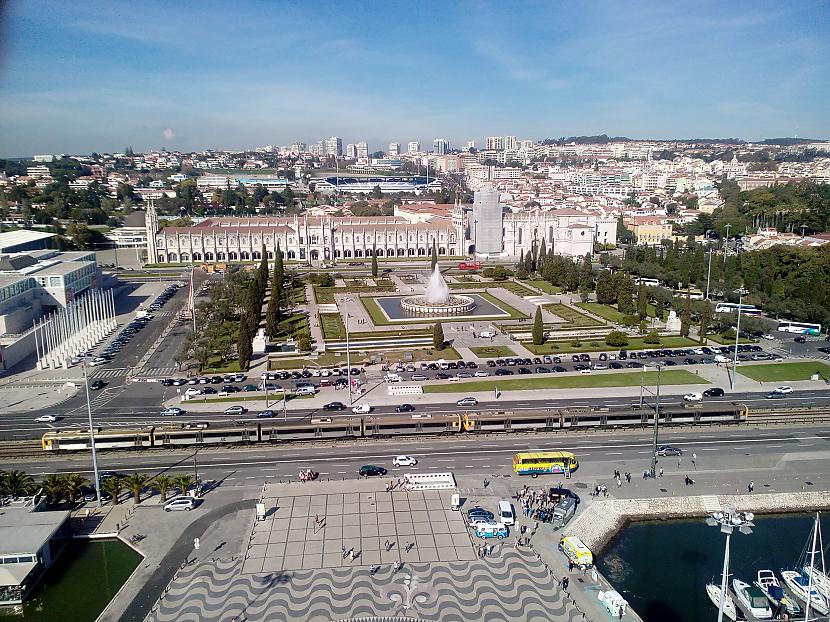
751 486
388 545
628 477
566 581
645 474
570 565
694 460
489 550
619 482
661 471
316 519
480 551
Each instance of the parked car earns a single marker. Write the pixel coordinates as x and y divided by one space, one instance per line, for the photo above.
399 461
181 503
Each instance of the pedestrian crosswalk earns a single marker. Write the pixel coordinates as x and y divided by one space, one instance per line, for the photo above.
537 300
115 372
159 371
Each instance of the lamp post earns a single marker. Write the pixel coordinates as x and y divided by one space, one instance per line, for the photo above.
348 361
709 272
92 437
741 293
728 520
726 243
656 420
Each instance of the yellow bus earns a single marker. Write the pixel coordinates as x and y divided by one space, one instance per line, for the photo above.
536 462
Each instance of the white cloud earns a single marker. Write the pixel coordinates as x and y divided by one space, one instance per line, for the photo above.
168 134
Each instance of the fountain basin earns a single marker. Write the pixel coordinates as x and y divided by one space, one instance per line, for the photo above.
455 304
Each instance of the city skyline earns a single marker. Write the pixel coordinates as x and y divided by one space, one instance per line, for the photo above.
191 78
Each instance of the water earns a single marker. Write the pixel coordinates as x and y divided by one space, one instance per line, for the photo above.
437 290
80 584
661 568
391 307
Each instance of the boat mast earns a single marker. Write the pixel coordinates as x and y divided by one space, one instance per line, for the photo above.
808 600
724 579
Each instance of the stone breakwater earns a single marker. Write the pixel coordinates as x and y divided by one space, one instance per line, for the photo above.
598 523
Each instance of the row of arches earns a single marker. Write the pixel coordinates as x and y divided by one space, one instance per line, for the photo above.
314 254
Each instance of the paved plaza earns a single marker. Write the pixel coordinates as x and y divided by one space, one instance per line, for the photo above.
303 531
294 566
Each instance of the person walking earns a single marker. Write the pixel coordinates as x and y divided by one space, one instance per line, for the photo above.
751 486
565 582
661 471
570 565
694 461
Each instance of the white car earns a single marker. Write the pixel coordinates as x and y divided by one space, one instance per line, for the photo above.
404 461
46 419
181 503
362 409
171 412
768 337
693 397
480 373
783 390
193 392
235 410
98 361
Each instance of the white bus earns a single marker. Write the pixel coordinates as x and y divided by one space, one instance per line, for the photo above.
731 307
800 328
647 282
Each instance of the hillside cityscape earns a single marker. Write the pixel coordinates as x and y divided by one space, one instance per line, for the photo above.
283 356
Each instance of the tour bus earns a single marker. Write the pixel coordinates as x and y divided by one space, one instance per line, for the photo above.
801 328
731 307
535 462
647 282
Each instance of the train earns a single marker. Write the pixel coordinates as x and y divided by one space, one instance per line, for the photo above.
350 428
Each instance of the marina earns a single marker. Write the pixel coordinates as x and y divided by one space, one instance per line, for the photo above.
670 571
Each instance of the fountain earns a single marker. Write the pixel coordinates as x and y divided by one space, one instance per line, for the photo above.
437 299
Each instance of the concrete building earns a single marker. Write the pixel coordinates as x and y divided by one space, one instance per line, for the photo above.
362 150
486 227
25 240
650 230
494 143
30 542
351 151
394 150
333 146
441 145
413 147
511 143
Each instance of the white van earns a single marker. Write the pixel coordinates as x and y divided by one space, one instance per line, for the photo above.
720 358
392 378
506 514
487 334
308 389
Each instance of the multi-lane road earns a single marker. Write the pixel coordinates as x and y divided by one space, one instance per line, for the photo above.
776 458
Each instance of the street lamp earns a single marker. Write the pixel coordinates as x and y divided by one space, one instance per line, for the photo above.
656 420
740 293
348 360
728 521
92 437
709 271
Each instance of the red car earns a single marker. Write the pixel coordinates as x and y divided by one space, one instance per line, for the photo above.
469 266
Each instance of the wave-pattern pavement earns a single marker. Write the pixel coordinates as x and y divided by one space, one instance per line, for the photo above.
509 587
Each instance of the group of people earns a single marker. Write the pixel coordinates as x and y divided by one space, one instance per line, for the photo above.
536 504
485 550
392 484
350 553
308 475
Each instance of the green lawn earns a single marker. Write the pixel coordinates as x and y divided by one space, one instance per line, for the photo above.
776 372
332 326
612 314
545 287
493 352
511 286
582 381
572 316
599 345
325 295
729 342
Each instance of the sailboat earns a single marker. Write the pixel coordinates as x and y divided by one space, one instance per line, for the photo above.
729 610
753 599
769 585
820 580
801 583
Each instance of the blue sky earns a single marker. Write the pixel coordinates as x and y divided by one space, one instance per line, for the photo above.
90 76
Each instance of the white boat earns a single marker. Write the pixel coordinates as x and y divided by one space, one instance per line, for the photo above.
752 599
820 580
769 585
713 591
800 585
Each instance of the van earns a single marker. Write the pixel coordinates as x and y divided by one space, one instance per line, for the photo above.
487 334
443 364
563 512
720 358
392 378
491 530
506 514
576 551
308 389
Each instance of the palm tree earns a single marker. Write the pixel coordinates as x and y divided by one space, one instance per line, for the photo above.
183 482
73 486
113 487
54 485
135 484
16 483
162 483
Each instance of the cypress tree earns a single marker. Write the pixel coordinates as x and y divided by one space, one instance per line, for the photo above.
434 261
438 336
243 344
538 328
375 264
642 301
540 259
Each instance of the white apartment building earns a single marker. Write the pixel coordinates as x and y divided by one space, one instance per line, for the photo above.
394 150
511 143
333 146
441 146
413 147
362 150
351 151
494 143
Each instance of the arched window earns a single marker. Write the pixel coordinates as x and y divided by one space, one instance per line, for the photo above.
358 253
347 253
173 257
390 252
197 256
292 255
401 252
550 233
519 240
208 256
442 251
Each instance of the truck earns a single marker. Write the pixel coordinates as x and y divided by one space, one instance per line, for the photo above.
467 265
